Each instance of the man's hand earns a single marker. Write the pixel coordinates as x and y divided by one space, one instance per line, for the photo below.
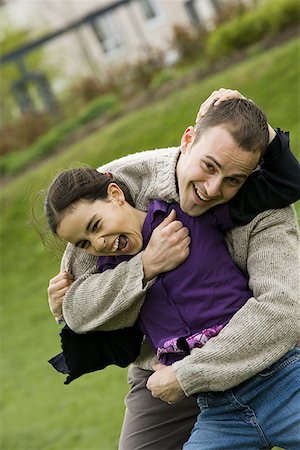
216 98
168 247
163 384
58 286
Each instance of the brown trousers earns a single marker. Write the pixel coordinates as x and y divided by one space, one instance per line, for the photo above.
151 424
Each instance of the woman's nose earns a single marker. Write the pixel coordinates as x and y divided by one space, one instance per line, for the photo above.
98 243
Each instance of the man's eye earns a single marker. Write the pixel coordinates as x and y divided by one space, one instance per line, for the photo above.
233 181
209 166
95 226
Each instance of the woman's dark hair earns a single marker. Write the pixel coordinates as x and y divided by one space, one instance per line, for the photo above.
77 184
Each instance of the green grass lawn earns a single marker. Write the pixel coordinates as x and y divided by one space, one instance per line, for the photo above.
38 411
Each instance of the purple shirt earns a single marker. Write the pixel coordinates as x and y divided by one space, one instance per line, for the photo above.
204 291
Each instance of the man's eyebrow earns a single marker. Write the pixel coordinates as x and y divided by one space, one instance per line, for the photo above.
237 175
216 162
86 229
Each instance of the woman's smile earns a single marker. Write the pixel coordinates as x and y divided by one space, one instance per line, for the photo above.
103 227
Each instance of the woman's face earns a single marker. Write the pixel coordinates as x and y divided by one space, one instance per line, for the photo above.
104 227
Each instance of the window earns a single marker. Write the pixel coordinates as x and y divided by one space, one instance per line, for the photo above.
193 13
108 33
148 9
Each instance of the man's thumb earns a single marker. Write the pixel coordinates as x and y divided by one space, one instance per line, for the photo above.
168 219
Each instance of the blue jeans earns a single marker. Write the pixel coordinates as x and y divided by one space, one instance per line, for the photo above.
260 413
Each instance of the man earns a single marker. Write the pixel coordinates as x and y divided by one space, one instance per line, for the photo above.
212 165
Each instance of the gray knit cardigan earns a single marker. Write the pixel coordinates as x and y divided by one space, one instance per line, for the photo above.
267 250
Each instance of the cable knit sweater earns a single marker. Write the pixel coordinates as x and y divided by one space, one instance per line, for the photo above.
267 249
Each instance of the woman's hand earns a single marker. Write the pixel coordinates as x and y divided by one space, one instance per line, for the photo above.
168 247
58 286
216 98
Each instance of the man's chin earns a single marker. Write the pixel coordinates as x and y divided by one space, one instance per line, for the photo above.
195 210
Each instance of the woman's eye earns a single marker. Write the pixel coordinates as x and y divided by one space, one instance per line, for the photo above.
95 226
84 245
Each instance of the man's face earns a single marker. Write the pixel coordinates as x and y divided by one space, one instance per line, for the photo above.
212 170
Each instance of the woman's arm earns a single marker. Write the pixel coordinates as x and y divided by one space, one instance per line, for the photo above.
263 330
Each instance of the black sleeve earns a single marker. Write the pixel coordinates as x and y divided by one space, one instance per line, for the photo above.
274 184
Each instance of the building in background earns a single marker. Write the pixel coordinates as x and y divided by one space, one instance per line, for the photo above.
108 32
91 37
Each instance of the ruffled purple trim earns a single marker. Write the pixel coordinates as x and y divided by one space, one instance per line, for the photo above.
183 346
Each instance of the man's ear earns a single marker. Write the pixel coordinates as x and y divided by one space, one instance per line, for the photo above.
114 192
187 139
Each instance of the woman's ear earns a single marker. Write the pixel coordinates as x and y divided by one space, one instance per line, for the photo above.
114 192
187 139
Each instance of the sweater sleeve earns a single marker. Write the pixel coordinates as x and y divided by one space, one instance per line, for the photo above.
105 301
112 299
268 325
275 184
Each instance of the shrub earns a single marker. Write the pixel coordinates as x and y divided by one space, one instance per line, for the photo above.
251 27
23 132
137 76
164 76
87 89
226 11
17 160
236 34
188 43
95 109
281 14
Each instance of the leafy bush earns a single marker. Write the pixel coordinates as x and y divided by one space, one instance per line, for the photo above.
187 42
164 76
135 77
281 14
228 10
15 161
23 132
241 32
95 109
86 89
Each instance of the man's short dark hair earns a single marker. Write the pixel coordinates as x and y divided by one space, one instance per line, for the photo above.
244 120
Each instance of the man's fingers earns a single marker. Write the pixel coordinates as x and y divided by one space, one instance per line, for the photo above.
169 219
182 232
216 98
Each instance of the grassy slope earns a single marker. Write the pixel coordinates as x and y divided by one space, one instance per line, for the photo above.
38 410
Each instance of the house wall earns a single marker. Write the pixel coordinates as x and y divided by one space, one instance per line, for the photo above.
130 34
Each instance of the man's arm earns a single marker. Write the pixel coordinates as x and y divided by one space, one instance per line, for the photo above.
264 329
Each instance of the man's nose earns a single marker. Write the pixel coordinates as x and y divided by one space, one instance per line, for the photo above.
213 186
